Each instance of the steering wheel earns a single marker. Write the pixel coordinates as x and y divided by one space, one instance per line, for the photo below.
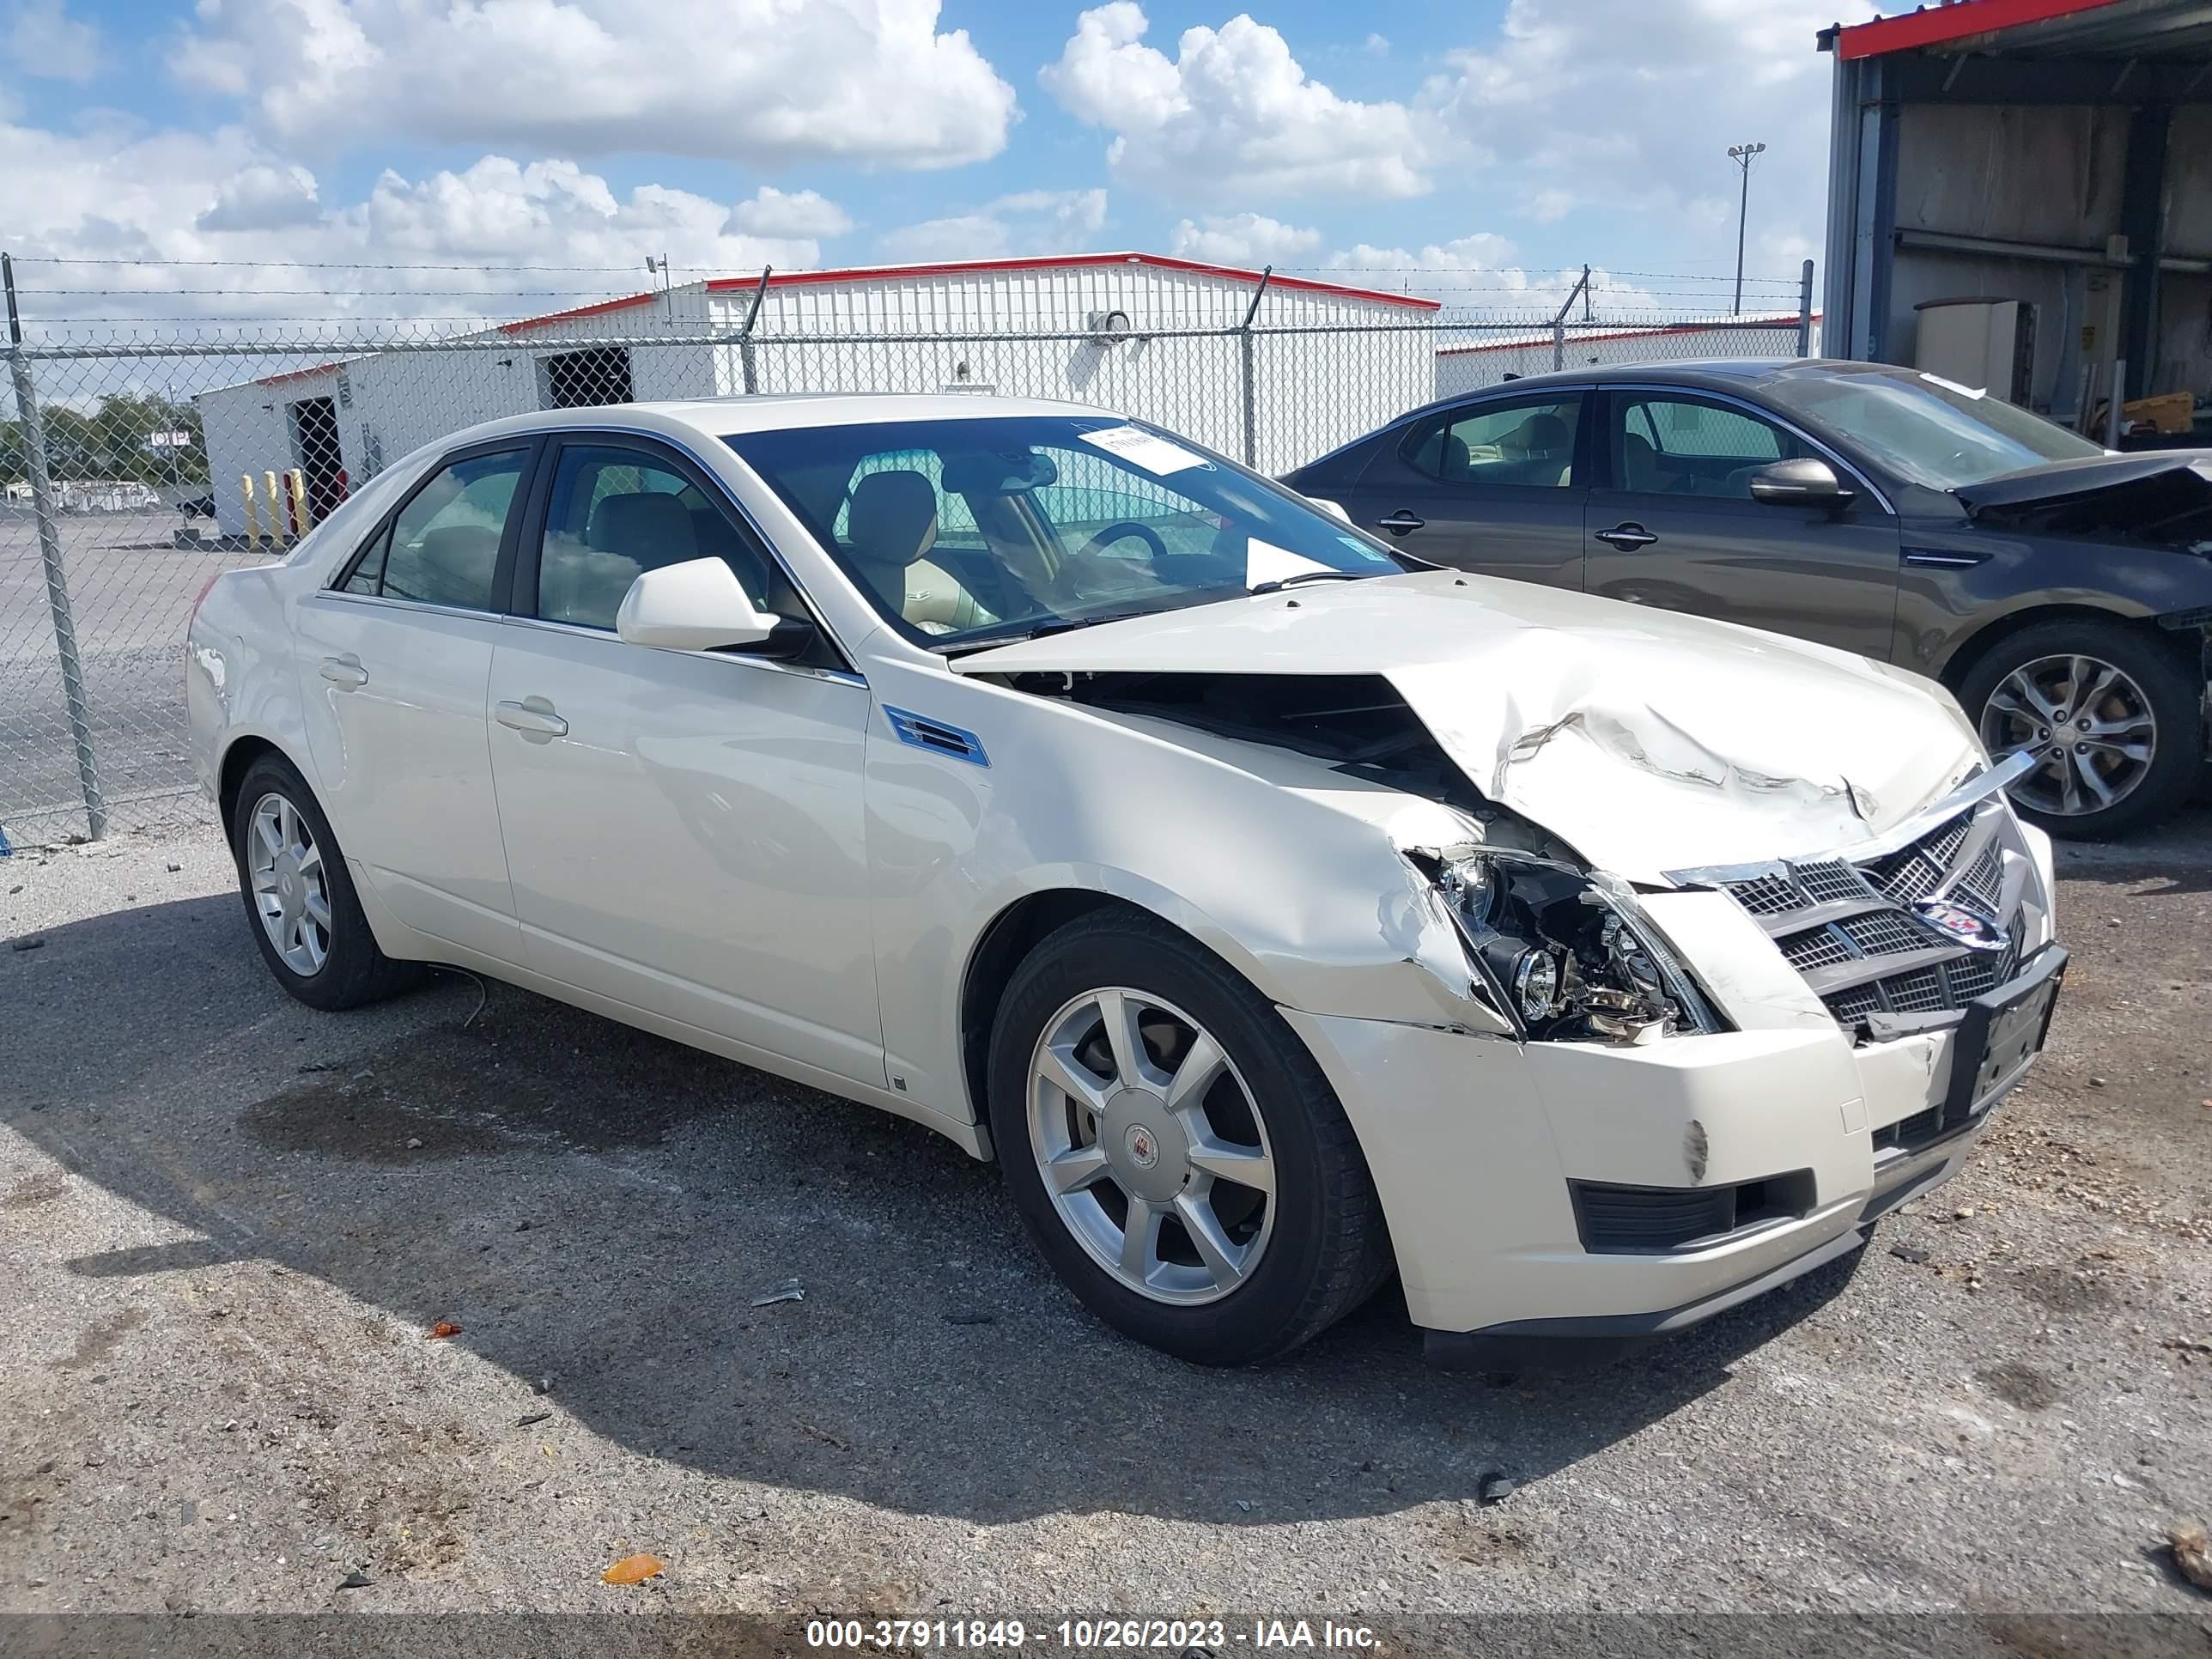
1121 531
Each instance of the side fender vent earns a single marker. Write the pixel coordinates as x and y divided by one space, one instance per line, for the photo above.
922 733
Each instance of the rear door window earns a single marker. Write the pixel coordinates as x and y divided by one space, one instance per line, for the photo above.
1528 444
443 547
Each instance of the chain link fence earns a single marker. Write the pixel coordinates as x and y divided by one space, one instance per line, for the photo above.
136 468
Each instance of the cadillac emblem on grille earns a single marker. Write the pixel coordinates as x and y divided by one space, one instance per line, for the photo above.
1955 922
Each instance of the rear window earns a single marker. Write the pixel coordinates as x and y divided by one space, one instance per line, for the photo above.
443 547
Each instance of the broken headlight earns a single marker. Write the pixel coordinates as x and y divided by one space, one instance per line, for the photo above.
1567 953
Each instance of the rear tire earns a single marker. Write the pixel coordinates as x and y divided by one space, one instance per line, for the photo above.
1257 1223
300 899
2143 743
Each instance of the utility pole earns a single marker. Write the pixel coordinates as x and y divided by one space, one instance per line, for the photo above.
1742 154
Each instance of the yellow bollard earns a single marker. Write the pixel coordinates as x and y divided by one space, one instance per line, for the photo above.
296 480
253 526
276 512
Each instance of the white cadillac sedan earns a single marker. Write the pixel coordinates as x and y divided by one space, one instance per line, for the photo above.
1279 913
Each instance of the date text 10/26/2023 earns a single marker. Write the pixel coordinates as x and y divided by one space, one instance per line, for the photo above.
1105 1635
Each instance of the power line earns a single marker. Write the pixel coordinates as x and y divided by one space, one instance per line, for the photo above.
301 265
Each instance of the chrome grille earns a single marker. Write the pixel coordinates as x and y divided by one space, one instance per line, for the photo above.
1816 948
1768 896
1885 933
1982 886
1976 976
1917 992
1870 953
1830 883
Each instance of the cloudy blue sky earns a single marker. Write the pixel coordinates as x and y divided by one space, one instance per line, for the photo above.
1473 149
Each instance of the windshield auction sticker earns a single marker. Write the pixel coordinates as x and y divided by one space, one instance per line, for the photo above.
1139 448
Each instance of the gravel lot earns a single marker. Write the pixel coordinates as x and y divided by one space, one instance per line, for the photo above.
226 1224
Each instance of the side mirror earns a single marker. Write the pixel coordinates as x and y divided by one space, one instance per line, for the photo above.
1805 483
697 605
1335 509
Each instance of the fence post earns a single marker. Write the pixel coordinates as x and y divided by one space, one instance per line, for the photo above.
1579 291
745 336
1249 366
33 429
1805 310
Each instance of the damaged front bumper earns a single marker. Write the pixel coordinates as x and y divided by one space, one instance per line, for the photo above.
1543 1190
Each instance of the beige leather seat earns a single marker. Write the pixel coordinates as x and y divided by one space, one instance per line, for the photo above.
891 525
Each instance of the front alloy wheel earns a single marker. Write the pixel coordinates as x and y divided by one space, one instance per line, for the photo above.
2112 712
2088 723
1151 1146
1174 1148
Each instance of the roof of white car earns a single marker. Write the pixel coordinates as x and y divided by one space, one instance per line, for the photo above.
719 418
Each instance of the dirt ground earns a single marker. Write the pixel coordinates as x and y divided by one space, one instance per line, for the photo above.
229 1224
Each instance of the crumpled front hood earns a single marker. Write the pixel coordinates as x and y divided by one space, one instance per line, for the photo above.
2163 495
1648 741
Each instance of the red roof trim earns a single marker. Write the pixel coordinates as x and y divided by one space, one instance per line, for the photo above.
1060 261
298 374
1935 26
1733 325
600 309
969 267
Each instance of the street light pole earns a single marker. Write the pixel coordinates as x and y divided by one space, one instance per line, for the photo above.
1742 154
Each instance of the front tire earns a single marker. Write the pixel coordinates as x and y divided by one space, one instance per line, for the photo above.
1174 1149
2115 713
299 897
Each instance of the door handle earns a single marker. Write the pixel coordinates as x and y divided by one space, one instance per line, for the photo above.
1626 537
345 672
533 717
1399 522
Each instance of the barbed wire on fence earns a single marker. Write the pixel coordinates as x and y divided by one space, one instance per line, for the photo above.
138 461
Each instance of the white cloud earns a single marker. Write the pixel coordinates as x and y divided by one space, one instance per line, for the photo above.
773 212
760 81
1479 272
1595 105
262 197
1243 239
1029 221
117 194
1233 116
1378 45
44 39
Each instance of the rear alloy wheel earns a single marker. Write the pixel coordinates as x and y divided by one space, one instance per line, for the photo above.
284 868
1174 1148
307 917
2114 720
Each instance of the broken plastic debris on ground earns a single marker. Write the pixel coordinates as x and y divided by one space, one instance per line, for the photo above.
634 1570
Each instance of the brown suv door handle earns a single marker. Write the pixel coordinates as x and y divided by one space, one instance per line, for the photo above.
1401 522
1626 537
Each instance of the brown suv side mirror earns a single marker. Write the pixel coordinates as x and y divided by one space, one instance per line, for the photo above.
1803 483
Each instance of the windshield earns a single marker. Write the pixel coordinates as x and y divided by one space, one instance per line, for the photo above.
971 531
1925 430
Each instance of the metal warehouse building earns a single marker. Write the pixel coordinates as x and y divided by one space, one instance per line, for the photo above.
2021 199
1139 333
